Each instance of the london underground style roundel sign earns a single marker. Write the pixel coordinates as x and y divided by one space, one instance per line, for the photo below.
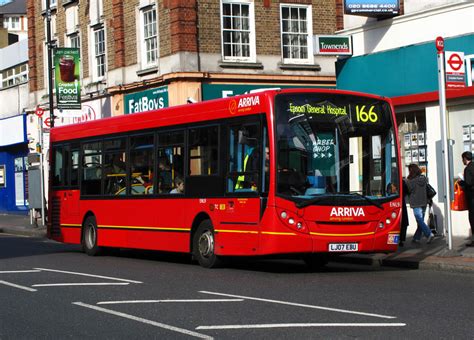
455 70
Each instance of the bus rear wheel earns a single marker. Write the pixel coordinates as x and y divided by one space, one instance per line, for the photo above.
204 246
89 237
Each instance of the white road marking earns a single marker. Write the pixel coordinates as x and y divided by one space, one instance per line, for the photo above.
296 325
166 301
18 271
145 321
302 305
81 284
17 286
89 275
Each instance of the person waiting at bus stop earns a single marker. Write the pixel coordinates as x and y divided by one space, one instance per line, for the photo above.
418 199
468 186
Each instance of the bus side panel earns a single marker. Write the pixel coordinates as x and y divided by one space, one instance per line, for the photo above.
236 224
165 217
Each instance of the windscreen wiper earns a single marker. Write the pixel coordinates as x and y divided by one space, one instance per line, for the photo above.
316 199
368 199
311 201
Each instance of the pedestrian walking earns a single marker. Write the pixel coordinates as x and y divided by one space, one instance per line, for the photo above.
468 186
416 183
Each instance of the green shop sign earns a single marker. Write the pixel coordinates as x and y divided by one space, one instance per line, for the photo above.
67 62
215 91
332 45
148 100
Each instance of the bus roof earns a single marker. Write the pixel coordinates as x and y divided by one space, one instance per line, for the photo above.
241 105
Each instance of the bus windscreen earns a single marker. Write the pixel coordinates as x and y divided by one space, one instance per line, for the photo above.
335 149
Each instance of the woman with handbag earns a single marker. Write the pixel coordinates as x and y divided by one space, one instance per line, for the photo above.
418 199
468 186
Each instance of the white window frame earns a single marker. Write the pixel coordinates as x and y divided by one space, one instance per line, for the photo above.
251 31
144 51
16 78
52 4
96 76
309 35
70 37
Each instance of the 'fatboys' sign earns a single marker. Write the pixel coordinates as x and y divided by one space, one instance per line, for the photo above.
148 100
332 45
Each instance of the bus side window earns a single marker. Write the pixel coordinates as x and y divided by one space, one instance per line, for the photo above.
245 162
58 171
91 168
141 164
170 160
115 168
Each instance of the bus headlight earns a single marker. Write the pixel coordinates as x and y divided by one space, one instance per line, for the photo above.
394 215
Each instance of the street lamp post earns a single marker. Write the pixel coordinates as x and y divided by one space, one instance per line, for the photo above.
50 62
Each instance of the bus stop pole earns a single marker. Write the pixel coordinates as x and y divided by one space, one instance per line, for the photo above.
445 148
40 123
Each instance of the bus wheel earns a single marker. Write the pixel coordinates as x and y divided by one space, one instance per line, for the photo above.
315 261
203 246
89 237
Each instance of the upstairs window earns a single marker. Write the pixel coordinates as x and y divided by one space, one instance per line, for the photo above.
99 52
296 34
149 37
238 31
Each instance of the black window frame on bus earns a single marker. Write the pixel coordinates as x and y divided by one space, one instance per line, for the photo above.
202 185
67 165
164 143
263 174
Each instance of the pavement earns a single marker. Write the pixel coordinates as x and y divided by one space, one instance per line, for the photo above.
433 256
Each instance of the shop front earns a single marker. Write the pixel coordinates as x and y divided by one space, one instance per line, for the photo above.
13 165
409 75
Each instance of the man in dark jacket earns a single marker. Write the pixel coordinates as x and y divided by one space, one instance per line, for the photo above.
468 185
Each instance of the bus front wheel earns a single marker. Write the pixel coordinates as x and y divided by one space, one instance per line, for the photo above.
204 246
89 237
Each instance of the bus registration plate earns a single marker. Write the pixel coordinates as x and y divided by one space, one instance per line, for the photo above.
336 247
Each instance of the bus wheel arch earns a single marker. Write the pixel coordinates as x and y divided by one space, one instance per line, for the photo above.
203 242
89 235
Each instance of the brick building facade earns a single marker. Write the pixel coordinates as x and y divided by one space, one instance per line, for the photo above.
191 48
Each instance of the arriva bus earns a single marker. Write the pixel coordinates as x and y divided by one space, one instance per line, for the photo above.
299 172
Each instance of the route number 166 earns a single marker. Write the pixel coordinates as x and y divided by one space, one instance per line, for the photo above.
364 116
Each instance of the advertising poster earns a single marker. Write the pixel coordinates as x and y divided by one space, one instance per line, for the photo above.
466 133
67 64
2 176
407 157
421 138
414 156
422 154
414 139
407 140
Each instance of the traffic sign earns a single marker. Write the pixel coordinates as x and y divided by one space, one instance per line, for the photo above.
455 62
440 44
47 122
455 70
39 111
